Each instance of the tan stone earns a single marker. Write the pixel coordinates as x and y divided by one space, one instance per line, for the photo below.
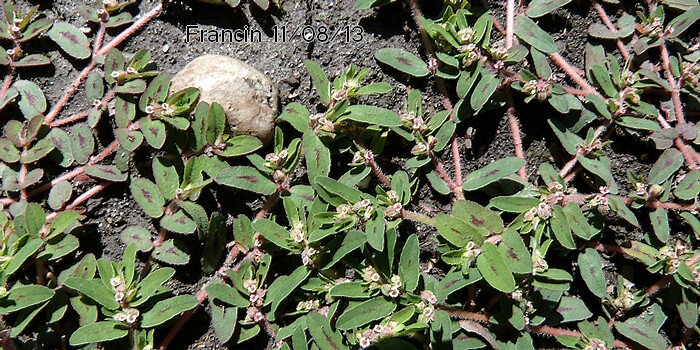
249 98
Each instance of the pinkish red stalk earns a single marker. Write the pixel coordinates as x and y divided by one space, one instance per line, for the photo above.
53 113
131 30
611 27
457 162
99 38
510 15
379 173
6 83
86 71
23 178
201 296
675 93
515 133
82 198
572 73
82 115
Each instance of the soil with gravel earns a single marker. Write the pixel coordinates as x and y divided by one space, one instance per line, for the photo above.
283 62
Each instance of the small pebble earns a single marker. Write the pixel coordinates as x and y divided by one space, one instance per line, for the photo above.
166 47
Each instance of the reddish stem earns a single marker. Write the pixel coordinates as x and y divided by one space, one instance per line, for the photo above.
53 113
515 133
201 296
611 27
82 115
131 30
510 15
99 38
6 83
378 172
82 198
571 72
675 93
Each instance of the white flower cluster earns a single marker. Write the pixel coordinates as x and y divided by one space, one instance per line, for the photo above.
275 160
394 208
162 109
253 313
542 89
128 315
601 198
427 306
391 289
596 344
375 333
308 305
361 210
319 121
412 121
673 256
121 295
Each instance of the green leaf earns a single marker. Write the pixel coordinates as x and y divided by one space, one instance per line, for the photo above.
684 21
600 168
514 204
283 286
323 335
484 89
638 123
484 220
131 87
345 245
349 290
323 86
30 247
492 173
147 195
98 332
409 263
57 249
494 269
539 8
561 229
619 207
317 155
70 39
578 223
60 193
226 294
93 289
8 152
130 140
570 309
668 163
591 270
153 131
165 310
375 229
273 232
456 231
240 145
689 187
150 284
38 151
139 236
223 320
167 179
364 313
531 33
22 297
514 253
602 76
297 115
32 100
642 333
371 115
659 222
171 252
106 172
178 222
246 178
403 61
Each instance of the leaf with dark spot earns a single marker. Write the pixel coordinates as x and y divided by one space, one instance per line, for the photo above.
70 39
403 61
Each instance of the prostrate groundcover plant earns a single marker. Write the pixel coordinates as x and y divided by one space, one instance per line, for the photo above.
521 260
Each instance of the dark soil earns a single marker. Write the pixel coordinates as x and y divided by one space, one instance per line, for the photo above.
283 62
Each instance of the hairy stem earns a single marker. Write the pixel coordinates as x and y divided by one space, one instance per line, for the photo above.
510 15
676 92
606 20
417 217
82 198
515 134
571 72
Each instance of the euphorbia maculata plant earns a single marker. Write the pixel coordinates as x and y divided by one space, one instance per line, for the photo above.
525 255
